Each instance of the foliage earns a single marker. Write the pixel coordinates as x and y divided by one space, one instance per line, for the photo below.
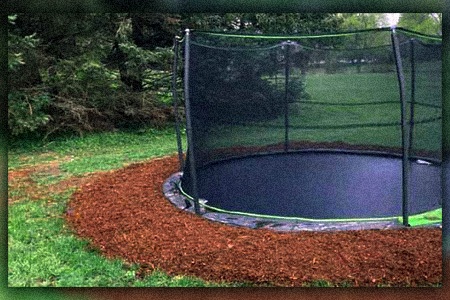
358 21
95 72
17 45
293 23
85 74
27 97
267 23
429 23
26 110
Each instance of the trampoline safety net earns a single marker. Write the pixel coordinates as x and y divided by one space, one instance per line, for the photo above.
255 94
251 94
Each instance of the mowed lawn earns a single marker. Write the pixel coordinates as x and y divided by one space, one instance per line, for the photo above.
42 250
358 108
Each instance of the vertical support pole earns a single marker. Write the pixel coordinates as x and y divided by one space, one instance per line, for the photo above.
191 152
175 102
405 129
413 94
286 96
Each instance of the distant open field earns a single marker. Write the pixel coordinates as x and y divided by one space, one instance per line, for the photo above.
355 108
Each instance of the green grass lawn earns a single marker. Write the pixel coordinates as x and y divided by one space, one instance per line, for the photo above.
94 152
42 252
343 119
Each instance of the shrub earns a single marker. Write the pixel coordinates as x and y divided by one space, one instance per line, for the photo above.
27 98
26 111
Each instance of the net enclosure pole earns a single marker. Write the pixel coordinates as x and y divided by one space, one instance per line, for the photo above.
175 101
286 96
405 128
189 130
413 93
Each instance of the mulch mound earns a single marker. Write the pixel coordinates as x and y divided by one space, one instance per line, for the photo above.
124 214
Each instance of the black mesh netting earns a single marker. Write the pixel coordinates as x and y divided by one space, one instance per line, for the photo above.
251 94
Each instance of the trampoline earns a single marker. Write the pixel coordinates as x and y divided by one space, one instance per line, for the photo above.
322 128
321 186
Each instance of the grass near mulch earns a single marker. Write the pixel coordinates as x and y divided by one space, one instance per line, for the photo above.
94 152
42 252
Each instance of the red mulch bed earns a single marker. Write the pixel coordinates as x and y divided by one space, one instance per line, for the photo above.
124 214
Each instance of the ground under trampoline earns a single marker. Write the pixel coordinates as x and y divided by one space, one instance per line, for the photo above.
315 188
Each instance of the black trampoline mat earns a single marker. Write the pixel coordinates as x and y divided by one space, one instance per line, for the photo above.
318 185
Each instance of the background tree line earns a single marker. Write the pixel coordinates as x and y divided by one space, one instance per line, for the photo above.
100 72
